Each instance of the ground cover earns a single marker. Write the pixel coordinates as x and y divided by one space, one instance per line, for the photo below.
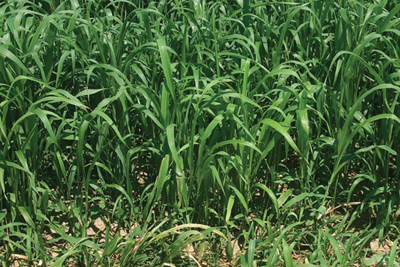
199 133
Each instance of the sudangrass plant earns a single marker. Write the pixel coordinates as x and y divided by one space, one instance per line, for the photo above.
199 132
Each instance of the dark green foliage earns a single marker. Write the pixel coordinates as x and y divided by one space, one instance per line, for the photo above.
199 124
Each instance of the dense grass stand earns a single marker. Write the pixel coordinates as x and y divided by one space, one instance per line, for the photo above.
199 133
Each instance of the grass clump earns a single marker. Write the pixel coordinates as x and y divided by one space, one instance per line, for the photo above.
199 133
